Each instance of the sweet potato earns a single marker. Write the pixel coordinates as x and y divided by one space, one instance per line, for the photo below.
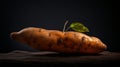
58 41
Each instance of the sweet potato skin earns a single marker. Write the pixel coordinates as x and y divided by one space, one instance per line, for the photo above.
57 41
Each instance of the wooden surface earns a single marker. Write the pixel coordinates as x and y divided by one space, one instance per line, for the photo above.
53 58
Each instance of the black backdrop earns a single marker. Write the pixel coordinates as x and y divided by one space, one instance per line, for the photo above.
99 16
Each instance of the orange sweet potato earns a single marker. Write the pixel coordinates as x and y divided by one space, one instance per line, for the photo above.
57 41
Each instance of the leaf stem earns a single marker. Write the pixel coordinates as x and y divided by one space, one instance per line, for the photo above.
65 26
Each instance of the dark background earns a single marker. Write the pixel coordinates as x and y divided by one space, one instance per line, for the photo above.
99 16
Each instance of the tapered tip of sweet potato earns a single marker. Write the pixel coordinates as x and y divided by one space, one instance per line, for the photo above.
17 36
13 35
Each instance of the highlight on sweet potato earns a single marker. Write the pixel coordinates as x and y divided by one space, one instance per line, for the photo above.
58 41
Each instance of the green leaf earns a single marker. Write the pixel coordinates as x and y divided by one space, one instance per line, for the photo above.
79 27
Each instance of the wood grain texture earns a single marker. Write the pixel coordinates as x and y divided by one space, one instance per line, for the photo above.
53 58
